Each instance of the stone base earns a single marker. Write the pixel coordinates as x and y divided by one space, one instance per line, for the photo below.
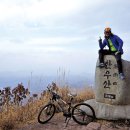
109 112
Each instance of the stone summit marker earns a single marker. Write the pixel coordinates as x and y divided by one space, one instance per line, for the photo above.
112 95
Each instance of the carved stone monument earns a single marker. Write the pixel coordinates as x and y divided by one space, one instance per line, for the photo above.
112 95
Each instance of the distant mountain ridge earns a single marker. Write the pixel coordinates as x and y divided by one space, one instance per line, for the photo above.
39 83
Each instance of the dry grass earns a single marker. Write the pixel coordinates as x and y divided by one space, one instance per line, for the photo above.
82 94
85 94
23 114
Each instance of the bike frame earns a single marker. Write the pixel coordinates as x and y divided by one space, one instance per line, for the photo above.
56 99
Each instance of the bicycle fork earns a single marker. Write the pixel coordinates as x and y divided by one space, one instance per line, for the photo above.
68 115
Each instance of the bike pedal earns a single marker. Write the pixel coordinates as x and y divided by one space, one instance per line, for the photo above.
67 114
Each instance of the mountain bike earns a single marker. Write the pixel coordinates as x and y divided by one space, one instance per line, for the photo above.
78 112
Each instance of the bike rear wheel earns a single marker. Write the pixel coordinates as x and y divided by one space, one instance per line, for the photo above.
46 113
83 113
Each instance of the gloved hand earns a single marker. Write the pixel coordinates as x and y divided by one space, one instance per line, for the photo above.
116 53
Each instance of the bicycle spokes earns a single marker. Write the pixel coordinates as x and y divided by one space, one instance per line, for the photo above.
83 114
46 113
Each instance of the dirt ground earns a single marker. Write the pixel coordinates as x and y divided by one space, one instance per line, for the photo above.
58 123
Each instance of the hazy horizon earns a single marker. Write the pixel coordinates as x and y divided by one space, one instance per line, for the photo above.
39 83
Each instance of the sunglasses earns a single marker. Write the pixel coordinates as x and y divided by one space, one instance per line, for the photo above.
107 32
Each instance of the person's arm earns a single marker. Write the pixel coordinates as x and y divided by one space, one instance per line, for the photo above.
120 42
102 45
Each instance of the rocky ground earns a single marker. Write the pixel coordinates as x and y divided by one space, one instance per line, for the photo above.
57 123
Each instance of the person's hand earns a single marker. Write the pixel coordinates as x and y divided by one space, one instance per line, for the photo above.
100 40
116 53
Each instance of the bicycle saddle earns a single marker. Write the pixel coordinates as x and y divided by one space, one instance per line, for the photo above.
72 95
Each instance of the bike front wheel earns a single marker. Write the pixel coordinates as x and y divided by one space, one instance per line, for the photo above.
83 113
46 113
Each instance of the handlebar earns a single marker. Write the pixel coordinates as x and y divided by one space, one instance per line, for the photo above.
57 96
54 94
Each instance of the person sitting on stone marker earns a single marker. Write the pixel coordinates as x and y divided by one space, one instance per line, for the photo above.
115 44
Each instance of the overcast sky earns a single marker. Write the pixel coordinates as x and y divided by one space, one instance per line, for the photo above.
40 36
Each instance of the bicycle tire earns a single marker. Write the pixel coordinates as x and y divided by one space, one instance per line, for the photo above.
49 110
82 112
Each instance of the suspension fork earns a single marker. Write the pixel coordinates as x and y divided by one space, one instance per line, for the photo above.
69 112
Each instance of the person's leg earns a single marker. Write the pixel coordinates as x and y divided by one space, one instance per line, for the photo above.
119 64
102 53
